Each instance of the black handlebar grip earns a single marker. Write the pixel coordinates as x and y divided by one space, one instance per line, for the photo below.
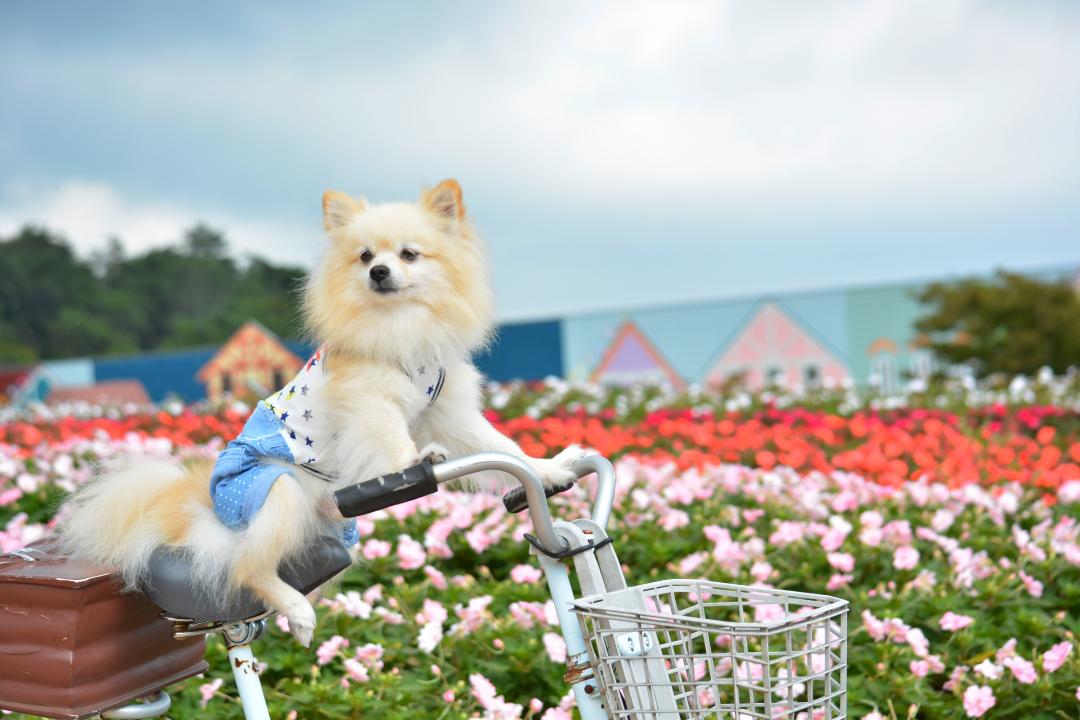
515 501
382 492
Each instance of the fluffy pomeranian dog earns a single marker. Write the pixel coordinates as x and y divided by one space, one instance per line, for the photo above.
397 304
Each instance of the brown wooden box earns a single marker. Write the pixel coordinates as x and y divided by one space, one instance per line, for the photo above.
71 645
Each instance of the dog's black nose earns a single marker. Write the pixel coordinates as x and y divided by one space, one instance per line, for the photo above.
379 273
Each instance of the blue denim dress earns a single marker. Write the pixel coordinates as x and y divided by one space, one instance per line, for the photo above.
241 479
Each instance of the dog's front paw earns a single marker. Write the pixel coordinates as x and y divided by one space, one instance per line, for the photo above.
558 472
301 617
433 453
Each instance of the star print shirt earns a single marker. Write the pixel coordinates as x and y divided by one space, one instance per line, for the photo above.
306 437
285 427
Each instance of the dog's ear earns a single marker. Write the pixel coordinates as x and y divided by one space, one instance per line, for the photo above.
338 209
444 200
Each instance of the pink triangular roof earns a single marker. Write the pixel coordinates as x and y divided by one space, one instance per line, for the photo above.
630 354
769 337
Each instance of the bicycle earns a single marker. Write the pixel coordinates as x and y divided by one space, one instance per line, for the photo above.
665 650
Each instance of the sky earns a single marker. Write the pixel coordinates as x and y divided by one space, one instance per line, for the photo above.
612 154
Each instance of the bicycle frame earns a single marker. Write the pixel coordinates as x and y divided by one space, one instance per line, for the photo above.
555 542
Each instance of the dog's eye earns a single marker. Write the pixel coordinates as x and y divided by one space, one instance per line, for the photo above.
408 255
366 256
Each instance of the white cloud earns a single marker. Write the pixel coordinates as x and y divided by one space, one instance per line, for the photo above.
88 213
873 102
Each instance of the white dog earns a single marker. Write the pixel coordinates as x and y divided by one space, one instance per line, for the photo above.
399 302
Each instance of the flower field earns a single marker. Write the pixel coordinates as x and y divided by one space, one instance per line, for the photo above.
948 519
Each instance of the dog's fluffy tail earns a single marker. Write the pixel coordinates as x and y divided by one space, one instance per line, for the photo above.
139 503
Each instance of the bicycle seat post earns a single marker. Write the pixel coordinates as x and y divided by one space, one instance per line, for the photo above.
238 638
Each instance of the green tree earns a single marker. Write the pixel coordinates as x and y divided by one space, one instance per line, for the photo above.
1011 323
39 277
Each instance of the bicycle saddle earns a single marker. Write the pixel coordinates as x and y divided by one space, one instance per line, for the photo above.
169 585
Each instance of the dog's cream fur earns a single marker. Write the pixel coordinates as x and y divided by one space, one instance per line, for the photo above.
438 311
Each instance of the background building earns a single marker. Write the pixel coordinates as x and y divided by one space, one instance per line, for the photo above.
865 335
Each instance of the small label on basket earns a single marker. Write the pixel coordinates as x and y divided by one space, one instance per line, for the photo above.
634 644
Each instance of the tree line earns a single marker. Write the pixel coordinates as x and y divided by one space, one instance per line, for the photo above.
54 304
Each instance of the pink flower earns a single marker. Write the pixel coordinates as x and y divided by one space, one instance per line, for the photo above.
874 627
905 558
473 616
837 581
919 668
952 621
526 614
371 655
482 688
845 501
871 519
752 515
364 526
955 677
690 563
1069 492
374 549
1055 657
207 691
448 696
495 705
924 581
918 642
353 605
674 519
1021 669
526 574
942 521
1007 650
356 670
989 670
834 538
329 649
431 634
871 536
977 700
411 554
844 562
761 571
786 533
555 646
1033 586
432 612
438 580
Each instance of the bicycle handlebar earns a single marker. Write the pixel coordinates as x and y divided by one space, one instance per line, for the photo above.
382 492
515 500
424 479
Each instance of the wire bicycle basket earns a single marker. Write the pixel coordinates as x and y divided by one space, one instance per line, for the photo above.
678 649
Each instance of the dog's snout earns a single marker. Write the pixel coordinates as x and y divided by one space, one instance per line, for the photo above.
379 273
